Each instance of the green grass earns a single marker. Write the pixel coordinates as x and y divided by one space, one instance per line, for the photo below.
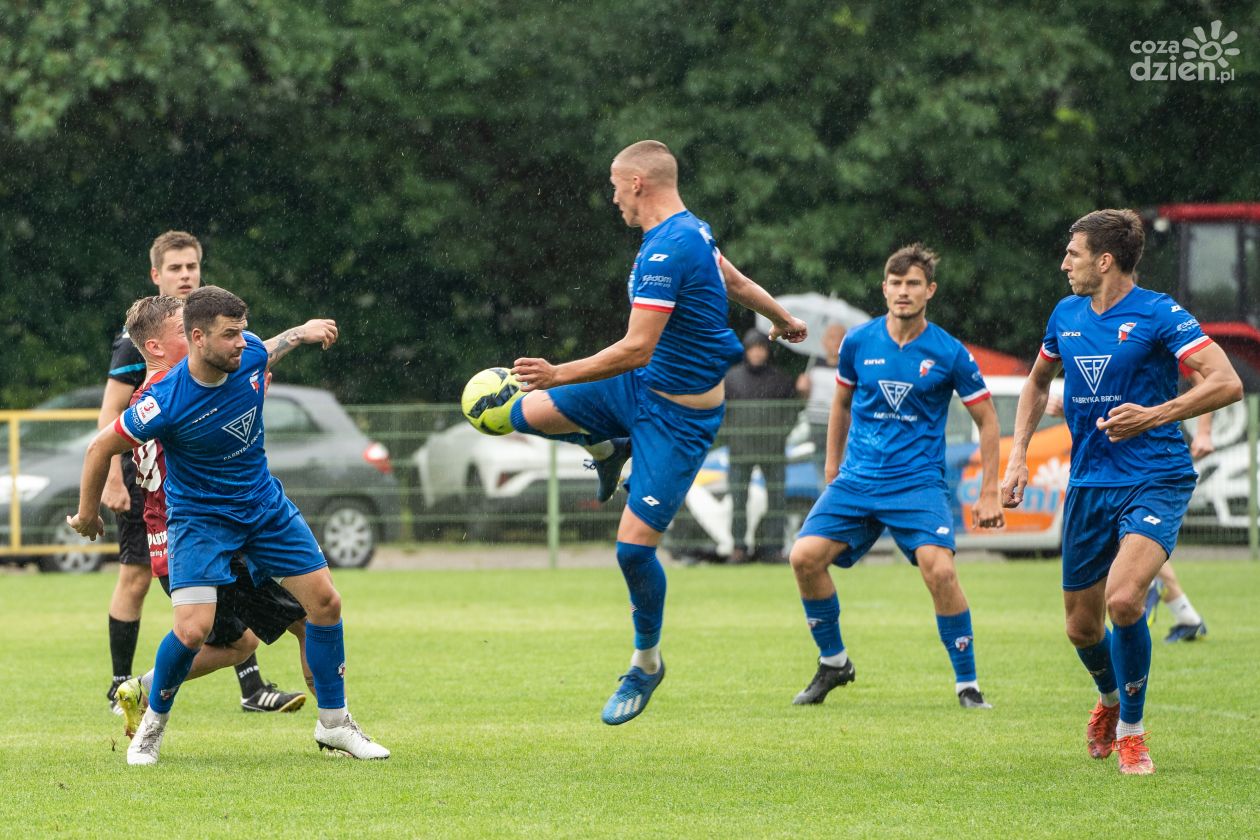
487 686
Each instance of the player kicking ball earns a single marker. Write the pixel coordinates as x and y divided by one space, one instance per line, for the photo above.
222 499
886 469
1131 474
657 392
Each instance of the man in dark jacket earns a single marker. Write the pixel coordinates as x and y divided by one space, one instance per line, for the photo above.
756 429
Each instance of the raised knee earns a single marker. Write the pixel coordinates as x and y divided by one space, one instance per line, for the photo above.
1124 607
806 562
327 607
192 633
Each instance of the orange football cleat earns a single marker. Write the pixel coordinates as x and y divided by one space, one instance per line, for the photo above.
1100 734
1135 758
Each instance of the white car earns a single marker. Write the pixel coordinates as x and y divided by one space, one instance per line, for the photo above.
490 483
1220 499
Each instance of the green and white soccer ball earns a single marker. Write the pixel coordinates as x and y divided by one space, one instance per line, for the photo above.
488 399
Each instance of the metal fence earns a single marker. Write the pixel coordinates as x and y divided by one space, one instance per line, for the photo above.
450 483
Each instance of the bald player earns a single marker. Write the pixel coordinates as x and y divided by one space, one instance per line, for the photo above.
658 391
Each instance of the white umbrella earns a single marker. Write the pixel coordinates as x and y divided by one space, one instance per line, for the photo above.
818 312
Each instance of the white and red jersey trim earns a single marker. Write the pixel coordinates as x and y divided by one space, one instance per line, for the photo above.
1192 347
122 430
976 397
840 380
1047 355
654 304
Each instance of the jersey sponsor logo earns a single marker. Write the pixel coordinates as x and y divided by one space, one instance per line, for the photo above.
658 258
204 416
1125 329
156 539
1187 325
242 426
895 392
147 409
925 366
1070 334
1092 368
656 280
873 361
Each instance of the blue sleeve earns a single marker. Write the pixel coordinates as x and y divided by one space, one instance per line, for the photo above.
658 276
966 377
1178 330
1050 342
144 421
846 365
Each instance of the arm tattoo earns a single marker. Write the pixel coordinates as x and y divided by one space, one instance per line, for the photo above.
279 346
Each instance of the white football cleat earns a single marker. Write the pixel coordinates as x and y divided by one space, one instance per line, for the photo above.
349 739
148 739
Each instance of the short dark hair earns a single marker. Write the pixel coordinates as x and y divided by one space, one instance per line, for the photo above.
208 303
1116 232
146 317
908 256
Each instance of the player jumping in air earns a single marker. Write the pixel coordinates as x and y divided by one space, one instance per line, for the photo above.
657 392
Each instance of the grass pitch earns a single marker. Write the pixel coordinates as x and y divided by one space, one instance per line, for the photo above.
487 686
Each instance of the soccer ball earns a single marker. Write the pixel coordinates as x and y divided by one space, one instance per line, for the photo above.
488 399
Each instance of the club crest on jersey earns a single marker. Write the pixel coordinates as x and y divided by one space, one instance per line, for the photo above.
242 426
925 366
1125 329
895 392
253 380
1092 368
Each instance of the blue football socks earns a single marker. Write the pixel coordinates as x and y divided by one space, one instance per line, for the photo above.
326 654
823 617
170 669
1131 653
645 578
956 635
1097 660
520 424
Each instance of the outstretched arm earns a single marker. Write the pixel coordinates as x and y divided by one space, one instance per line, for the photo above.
107 443
321 331
744 291
1032 405
634 350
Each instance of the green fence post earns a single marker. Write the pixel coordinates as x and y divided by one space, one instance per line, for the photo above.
1253 434
553 506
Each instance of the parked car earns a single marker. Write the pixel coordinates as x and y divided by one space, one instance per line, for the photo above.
704 530
1220 499
340 480
486 483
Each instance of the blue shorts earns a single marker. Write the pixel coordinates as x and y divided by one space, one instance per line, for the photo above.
668 441
277 543
1096 519
856 515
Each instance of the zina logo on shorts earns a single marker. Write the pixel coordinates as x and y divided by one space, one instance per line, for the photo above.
1092 368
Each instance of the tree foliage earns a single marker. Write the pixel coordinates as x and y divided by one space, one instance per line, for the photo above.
434 175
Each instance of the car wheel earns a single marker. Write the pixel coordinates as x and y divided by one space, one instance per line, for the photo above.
347 534
476 510
72 561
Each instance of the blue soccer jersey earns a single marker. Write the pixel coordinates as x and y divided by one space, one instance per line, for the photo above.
677 271
901 400
1128 354
212 436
